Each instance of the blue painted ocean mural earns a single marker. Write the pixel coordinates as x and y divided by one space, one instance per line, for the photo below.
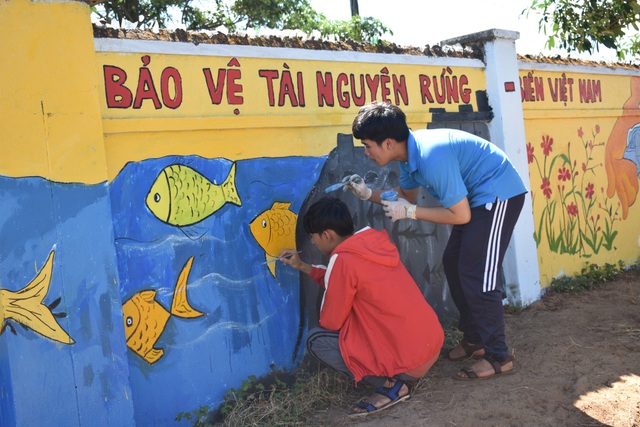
182 230
60 308
132 316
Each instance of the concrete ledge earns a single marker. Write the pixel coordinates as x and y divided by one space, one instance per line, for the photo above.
482 36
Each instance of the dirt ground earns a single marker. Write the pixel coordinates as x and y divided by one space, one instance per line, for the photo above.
577 364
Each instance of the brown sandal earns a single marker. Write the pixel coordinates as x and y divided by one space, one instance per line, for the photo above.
470 350
469 374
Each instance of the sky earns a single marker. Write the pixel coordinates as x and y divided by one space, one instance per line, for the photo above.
421 22
428 22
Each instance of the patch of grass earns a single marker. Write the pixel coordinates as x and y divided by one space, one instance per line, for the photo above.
514 307
280 399
290 406
452 336
634 267
590 275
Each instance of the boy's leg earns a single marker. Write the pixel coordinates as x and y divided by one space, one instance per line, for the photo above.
484 244
323 345
451 265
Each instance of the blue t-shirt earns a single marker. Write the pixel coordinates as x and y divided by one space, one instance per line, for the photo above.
451 164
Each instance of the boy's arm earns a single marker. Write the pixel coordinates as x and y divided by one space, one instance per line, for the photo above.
316 272
460 213
340 292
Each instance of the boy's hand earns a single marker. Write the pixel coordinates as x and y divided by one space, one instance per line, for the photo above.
399 210
290 257
356 184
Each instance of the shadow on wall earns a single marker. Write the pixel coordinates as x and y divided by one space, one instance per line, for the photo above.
421 244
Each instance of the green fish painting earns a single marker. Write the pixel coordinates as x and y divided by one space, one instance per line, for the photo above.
181 196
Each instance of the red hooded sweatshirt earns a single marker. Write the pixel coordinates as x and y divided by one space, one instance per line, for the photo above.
385 325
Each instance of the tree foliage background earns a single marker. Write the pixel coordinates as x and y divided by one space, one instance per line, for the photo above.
584 25
237 15
573 25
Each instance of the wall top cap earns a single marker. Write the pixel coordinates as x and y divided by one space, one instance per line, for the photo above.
482 36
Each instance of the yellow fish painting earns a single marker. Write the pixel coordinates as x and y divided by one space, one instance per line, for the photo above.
145 319
275 230
26 308
181 196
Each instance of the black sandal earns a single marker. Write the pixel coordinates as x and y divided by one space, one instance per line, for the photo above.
469 351
471 375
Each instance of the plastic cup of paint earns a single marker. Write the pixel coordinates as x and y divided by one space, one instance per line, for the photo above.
389 196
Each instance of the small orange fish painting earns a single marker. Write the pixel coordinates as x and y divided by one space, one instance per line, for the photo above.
182 196
145 319
275 230
26 308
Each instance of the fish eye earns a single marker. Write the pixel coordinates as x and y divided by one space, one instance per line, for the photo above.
129 321
156 197
264 223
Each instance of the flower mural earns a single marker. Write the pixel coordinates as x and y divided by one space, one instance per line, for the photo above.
575 219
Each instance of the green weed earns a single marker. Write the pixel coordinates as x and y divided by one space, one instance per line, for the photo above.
197 417
590 275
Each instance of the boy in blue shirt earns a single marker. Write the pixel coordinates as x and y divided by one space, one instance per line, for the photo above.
481 195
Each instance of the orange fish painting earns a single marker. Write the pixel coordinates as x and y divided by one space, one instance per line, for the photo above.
145 319
26 308
275 230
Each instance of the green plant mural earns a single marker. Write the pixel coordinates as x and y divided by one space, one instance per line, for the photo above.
576 219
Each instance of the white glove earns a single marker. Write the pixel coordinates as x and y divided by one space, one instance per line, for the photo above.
399 210
356 184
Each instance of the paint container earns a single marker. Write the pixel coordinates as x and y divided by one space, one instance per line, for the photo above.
389 196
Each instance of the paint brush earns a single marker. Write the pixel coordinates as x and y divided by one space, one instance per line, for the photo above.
286 256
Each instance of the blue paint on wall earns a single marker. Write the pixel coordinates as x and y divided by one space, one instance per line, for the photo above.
251 319
107 247
46 381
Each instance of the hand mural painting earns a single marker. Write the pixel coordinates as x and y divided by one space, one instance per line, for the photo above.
26 308
145 318
622 173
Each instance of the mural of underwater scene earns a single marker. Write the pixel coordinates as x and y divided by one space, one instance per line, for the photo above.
202 304
59 309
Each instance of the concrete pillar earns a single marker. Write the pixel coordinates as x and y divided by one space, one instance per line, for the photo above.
507 132
63 355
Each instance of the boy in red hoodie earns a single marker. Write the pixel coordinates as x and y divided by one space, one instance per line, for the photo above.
375 324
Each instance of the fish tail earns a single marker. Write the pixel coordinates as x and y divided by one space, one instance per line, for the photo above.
180 306
39 286
153 355
25 306
229 188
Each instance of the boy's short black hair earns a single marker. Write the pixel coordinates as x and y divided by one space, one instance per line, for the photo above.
328 213
379 121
